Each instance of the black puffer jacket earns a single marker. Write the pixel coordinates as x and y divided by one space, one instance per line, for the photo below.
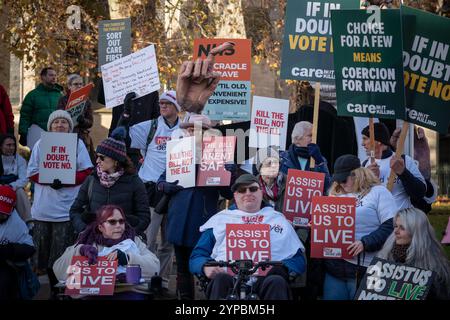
128 192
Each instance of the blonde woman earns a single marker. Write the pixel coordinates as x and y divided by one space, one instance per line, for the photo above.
375 209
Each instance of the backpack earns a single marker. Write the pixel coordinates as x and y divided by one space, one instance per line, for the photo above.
151 135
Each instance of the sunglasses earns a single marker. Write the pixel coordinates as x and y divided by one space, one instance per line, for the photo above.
244 189
101 157
113 222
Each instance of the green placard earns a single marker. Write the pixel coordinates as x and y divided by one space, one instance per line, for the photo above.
308 46
368 63
426 61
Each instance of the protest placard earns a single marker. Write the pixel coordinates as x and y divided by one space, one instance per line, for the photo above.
368 63
332 226
77 102
114 40
85 279
307 52
268 126
137 72
301 186
426 61
231 99
248 242
58 157
216 151
180 164
386 280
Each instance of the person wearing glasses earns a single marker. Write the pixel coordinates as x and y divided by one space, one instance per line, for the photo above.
113 181
111 236
284 244
84 120
53 231
375 210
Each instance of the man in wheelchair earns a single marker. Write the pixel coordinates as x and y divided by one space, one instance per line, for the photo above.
285 247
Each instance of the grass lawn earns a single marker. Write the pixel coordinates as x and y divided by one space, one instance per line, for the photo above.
439 219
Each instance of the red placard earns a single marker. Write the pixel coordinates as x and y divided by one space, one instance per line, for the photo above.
79 96
216 151
248 242
332 227
301 186
85 279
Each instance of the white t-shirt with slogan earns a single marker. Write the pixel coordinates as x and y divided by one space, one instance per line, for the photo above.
155 156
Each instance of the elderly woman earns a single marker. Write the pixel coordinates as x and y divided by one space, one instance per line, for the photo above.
110 235
113 182
414 243
53 232
301 150
84 120
375 209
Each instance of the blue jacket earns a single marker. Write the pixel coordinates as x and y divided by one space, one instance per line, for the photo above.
289 160
190 208
202 254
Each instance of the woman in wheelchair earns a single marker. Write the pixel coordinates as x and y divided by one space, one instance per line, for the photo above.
284 246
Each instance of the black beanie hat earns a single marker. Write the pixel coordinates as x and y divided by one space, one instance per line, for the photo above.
114 146
381 133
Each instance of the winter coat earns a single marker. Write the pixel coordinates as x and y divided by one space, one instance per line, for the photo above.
6 114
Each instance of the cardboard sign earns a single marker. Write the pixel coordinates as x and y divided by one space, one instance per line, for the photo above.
231 99
368 64
426 60
386 280
180 164
85 279
307 45
268 126
216 151
301 186
248 242
77 101
114 40
58 157
332 227
137 72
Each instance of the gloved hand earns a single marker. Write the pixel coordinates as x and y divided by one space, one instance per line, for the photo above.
89 252
169 187
314 152
232 167
23 140
81 119
128 103
122 259
56 184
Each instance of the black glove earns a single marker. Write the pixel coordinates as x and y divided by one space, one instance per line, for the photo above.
169 187
56 184
6 251
81 119
23 140
128 103
122 258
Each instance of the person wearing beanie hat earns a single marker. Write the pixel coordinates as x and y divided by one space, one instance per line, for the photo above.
113 182
409 186
53 231
375 209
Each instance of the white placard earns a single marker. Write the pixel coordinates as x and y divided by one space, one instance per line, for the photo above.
269 122
58 157
180 163
137 72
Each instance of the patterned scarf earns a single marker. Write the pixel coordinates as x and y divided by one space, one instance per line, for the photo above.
271 193
399 252
108 179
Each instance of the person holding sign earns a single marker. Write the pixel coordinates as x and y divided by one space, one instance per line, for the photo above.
53 231
112 236
86 119
375 209
409 184
284 244
114 181
414 243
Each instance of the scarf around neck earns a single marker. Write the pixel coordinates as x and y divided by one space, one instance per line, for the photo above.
399 252
107 180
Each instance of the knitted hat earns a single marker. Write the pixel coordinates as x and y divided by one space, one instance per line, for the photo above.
7 200
264 153
171 96
381 133
59 114
343 166
114 146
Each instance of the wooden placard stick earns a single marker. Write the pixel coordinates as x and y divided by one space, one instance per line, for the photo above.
398 152
372 140
312 163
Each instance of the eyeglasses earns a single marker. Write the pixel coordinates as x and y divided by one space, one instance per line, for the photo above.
101 157
252 189
113 222
77 84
